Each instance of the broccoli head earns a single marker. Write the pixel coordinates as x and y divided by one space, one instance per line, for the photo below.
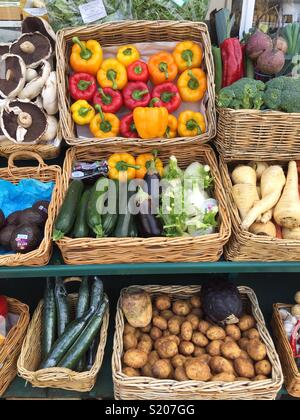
283 94
246 93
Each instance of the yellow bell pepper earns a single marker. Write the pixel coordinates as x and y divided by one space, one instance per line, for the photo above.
127 55
145 161
171 131
187 55
191 124
192 85
150 123
86 57
82 112
122 167
104 125
112 74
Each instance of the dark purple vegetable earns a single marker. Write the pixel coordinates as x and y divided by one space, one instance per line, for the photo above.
147 221
42 208
25 238
152 179
2 219
14 218
5 236
31 216
222 302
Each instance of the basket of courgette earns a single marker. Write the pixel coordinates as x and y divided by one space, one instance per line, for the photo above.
65 342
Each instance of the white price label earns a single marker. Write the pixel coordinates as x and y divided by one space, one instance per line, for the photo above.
92 11
179 2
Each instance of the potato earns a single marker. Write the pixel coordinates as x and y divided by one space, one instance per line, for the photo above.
146 345
246 322
204 326
186 348
128 371
199 339
198 312
180 374
167 348
161 369
263 367
230 350
252 334
194 320
196 301
219 365
229 339
130 341
223 377
243 343
244 368
197 370
167 314
174 325
135 358
256 350
214 348
138 333
175 338
178 361
166 333
147 329
160 322
260 378
163 302
155 312
206 358
153 357
181 307
233 331
215 333
147 371
155 333
241 379
199 351
245 355
186 331
128 329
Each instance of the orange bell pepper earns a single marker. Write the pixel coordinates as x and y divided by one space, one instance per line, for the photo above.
162 68
144 161
171 131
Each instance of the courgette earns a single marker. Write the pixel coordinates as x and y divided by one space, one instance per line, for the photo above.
67 214
81 227
83 342
64 342
62 306
96 206
124 227
110 219
83 302
49 319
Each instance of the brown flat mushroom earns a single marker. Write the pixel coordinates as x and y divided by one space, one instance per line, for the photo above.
4 49
23 121
37 24
33 48
12 75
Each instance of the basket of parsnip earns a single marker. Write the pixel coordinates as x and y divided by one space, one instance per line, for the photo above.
263 200
180 354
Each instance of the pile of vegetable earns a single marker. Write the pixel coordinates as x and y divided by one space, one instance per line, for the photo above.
28 86
176 339
72 342
138 197
268 199
291 322
103 89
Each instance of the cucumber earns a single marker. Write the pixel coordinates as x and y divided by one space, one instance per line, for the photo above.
49 320
67 214
92 353
97 292
83 342
83 303
62 306
69 337
96 205
109 220
124 227
81 227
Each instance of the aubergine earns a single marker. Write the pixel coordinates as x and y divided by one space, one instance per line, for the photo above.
147 221
31 216
25 238
42 207
2 219
5 236
14 218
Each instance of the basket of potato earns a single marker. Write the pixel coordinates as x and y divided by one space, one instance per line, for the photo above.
165 348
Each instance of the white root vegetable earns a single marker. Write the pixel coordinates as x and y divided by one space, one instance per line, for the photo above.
34 88
244 175
258 192
244 195
51 132
272 183
293 234
259 168
287 211
263 229
49 95
267 216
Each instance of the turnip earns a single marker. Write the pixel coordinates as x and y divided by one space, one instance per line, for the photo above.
281 44
243 174
258 43
271 61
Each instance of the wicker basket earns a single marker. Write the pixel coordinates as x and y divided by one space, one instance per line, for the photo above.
142 388
61 378
45 173
245 246
120 33
10 351
290 370
246 134
135 250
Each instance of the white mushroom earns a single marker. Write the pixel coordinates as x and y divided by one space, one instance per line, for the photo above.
51 132
39 102
30 75
49 95
34 88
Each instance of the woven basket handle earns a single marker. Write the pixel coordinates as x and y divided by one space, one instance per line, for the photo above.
72 279
11 164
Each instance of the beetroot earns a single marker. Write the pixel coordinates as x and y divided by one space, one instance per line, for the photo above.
271 62
257 44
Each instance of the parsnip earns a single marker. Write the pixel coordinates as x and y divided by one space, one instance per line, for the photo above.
263 229
272 183
244 195
244 175
259 168
267 216
287 210
291 233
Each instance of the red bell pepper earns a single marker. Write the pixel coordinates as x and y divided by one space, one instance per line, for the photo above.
166 95
127 127
136 94
233 61
110 100
138 72
3 306
82 86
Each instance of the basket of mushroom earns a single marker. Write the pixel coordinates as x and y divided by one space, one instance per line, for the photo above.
28 92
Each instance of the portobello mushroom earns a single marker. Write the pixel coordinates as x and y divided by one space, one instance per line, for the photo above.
35 86
4 48
51 132
37 24
12 75
33 48
16 122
